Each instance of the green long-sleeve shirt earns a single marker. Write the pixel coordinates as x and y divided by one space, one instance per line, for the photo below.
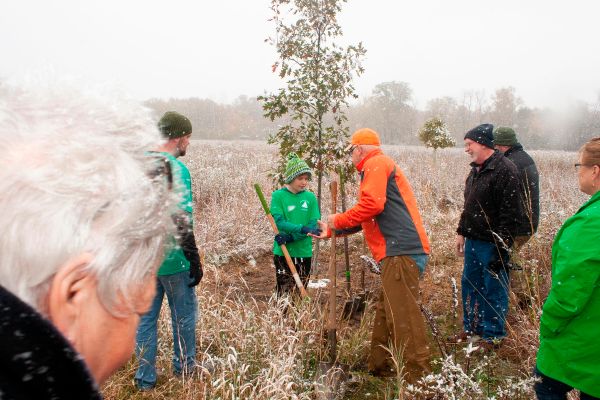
291 212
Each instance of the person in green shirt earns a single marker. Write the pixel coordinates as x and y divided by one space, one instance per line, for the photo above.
569 353
180 271
296 212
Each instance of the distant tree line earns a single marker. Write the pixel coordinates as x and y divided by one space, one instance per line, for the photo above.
391 110
242 119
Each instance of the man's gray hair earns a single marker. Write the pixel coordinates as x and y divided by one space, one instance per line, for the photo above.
74 178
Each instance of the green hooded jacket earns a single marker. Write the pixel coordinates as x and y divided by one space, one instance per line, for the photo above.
570 325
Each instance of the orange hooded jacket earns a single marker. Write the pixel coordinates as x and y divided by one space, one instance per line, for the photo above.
386 210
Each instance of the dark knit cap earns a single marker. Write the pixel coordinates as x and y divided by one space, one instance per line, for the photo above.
173 125
295 167
482 134
505 136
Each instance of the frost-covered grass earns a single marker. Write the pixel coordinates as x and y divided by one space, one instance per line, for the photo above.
266 349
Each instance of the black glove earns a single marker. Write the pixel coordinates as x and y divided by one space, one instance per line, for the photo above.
306 230
283 238
499 261
196 273
188 245
190 250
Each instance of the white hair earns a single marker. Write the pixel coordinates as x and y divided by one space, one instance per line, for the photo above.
74 178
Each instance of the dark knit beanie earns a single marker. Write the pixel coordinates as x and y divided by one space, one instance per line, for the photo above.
505 136
295 167
173 125
482 134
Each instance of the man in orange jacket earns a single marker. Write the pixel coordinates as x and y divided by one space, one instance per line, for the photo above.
387 213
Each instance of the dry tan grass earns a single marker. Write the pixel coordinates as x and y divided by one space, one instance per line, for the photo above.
262 351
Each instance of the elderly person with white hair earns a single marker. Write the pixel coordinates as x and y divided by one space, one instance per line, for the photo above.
85 214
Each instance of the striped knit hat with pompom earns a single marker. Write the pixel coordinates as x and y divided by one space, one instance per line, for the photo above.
295 167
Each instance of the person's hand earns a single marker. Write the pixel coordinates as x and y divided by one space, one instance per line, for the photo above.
323 230
283 238
460 245
196 274
312 231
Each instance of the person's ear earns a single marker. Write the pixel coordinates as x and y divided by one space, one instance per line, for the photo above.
68 294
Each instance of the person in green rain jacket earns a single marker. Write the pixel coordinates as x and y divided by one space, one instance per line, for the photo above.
569 353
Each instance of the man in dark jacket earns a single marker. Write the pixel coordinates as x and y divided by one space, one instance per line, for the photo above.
505 140
487 227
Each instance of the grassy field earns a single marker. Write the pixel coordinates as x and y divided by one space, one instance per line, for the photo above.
264 349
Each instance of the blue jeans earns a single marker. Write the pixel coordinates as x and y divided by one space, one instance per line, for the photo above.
551 389
183 305
484 292
421 260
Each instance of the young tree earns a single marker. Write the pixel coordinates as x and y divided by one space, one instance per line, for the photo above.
434 134
448 109
318 74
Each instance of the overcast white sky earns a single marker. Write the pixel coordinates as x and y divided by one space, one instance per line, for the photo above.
549 50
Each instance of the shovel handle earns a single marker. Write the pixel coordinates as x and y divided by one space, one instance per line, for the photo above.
331 319
346 252
332 263
284 249
262 199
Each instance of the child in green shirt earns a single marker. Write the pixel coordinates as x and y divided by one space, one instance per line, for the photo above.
296 211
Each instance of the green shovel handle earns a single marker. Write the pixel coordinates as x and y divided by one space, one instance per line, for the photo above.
262 199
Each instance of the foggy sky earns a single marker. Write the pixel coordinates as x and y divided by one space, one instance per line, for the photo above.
548 50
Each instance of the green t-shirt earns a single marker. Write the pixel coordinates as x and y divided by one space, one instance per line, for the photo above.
175 261
291 212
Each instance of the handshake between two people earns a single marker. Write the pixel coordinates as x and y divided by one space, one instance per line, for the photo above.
323 231
283 238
